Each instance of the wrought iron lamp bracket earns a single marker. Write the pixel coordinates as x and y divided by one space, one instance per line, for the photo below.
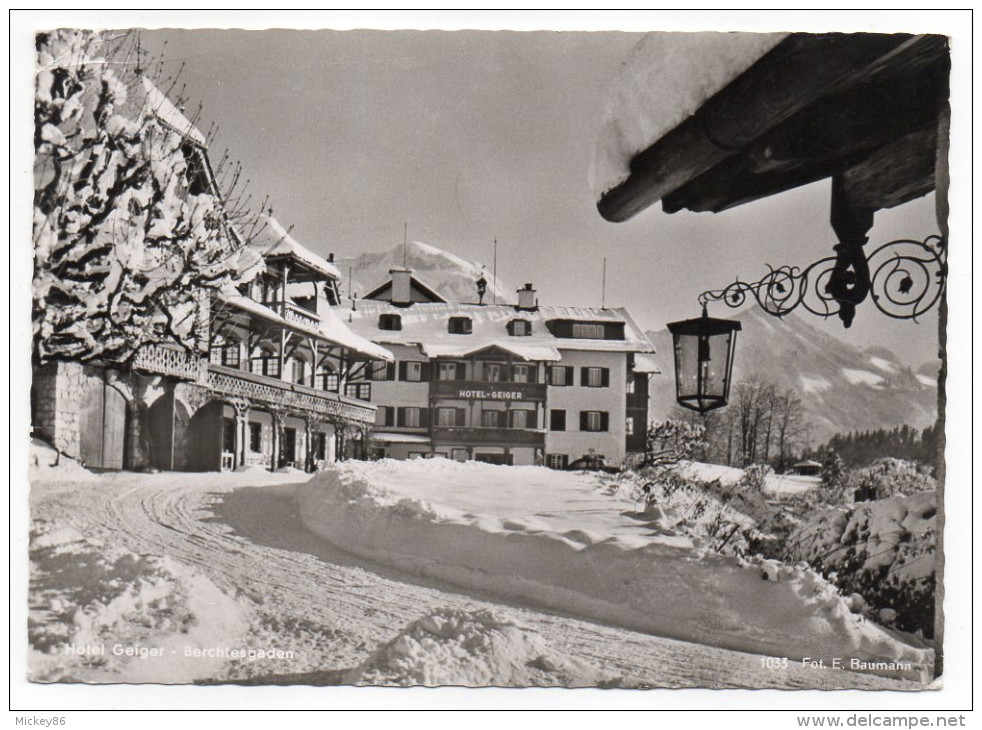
904 278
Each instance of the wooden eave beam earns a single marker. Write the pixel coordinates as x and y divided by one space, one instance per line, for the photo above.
796 72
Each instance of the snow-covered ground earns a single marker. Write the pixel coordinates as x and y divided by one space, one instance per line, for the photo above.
215 577
556 540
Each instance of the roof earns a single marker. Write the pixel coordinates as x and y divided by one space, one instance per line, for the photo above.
272 240
170 115
807 462
332 328
426 325
705 122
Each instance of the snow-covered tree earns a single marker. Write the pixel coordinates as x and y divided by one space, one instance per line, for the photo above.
129 230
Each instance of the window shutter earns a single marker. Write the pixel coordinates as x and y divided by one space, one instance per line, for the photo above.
390 371
424 417
461 370
605 377
461 416
584 420
400 416
390 416
402 370
570 370
530 419
424 372
584 376
604 421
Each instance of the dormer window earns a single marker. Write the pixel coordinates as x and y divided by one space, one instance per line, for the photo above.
460 326
588 331
519 328
390 322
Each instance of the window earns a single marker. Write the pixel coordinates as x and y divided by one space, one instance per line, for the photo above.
557 461
383 416
266 364
382 371
414 371
451 371
629 426
330 382
594 420
361 391
520 328
560 375
410 417
390 322
459 326
520 373
557 419
595 377
631 388
320 446
446 417
255 437
227 355
489 419
588 331
522 418
493 372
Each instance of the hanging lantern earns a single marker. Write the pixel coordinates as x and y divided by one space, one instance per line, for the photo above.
703 361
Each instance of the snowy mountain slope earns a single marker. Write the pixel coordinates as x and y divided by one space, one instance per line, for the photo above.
843 388
449 274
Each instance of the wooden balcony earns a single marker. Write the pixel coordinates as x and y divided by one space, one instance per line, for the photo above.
480 390
488 436
272 392
176 363
300 316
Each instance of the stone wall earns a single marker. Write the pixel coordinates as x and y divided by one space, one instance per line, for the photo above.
57 390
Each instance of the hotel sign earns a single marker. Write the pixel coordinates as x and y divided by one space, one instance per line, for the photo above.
489 394
471 390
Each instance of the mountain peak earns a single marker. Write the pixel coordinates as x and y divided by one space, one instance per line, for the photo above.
452 276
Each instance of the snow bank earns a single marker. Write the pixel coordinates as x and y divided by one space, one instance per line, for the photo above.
555 540
99 614
474 649
45 465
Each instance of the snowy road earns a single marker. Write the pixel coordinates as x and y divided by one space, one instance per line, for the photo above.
293 591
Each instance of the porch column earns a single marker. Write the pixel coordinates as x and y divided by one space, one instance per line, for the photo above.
276 446
242 430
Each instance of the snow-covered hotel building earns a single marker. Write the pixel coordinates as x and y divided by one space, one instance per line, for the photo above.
506 384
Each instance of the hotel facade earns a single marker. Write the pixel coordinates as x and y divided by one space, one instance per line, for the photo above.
504 384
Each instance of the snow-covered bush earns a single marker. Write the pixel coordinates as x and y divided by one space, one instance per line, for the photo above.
672 441
755 476
887 477
127 230
882 550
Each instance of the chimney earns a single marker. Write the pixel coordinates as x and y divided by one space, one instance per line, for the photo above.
526 298
401 287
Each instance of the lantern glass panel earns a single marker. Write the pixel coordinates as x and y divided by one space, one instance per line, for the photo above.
703 362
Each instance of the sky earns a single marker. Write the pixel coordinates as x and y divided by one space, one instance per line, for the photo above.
471 136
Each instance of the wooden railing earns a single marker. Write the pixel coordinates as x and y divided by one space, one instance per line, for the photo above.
300 316
169 361
270 391
498 436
